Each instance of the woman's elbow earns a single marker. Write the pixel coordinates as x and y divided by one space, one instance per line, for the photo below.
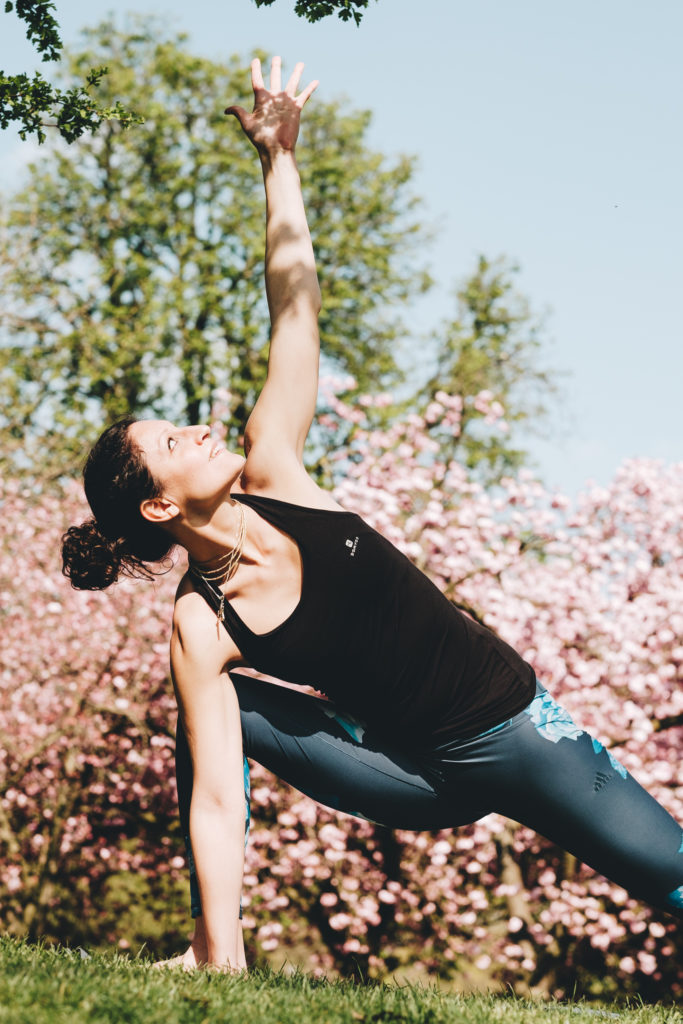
217 802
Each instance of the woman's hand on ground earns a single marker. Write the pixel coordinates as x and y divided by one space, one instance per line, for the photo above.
273 124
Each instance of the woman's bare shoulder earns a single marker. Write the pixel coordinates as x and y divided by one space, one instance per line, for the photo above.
196 634
192 616
284 478
190 608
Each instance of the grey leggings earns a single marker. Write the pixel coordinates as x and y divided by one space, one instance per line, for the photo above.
538 768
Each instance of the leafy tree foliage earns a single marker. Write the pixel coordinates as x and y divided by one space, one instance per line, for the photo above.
34 103
487 360
42 30
314 10
492 347
132 269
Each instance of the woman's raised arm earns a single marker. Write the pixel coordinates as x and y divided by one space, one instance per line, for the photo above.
284 411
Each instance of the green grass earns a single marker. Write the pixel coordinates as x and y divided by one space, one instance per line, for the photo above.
43 985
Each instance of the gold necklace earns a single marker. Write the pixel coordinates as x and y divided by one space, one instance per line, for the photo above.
224 570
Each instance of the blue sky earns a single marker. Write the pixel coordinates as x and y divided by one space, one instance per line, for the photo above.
547 132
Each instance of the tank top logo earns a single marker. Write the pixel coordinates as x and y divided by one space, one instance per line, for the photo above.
352 544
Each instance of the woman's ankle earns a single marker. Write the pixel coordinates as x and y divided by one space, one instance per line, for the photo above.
198 943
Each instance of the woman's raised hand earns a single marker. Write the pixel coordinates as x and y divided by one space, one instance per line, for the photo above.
273 124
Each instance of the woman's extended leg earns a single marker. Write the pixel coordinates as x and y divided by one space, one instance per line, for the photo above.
542 770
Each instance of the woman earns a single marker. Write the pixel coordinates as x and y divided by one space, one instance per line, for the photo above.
452 724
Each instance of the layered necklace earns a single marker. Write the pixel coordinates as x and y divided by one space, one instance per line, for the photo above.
217 573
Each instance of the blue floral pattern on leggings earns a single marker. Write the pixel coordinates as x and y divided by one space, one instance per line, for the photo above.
675 898
554 724
247 800
551 720
349 723
619 768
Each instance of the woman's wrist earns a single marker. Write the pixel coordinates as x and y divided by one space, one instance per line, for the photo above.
273 157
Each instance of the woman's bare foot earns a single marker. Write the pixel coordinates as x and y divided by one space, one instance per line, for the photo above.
187 961
197 953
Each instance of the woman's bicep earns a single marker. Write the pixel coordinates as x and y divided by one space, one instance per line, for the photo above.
210 713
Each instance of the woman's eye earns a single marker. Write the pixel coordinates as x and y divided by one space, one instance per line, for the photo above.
171 443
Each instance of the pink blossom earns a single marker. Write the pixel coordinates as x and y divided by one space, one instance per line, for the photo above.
340 921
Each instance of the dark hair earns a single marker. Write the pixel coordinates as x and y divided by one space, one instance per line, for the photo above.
117 540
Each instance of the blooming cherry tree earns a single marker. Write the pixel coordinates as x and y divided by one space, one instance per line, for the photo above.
588 592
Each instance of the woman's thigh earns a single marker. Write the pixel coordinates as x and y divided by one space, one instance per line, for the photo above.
545 772
337 760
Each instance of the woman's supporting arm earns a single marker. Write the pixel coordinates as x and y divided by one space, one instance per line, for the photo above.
210 714
284 411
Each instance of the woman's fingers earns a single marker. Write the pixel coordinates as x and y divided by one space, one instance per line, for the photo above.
239 112
256 75
293 83
258 85
276 75
307 92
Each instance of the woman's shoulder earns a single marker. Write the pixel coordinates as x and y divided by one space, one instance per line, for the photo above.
190 610
195 635
285 480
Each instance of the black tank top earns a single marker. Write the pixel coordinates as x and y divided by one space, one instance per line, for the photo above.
377 636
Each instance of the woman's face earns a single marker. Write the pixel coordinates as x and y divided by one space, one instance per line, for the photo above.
195 470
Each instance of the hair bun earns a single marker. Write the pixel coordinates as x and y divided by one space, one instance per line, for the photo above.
89 559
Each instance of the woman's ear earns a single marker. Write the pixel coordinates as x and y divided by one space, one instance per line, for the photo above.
158 510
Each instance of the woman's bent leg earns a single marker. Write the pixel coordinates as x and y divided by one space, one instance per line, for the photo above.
333 758
337 760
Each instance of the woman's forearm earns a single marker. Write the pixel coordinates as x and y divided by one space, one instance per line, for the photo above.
291 276
218 843
273 128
